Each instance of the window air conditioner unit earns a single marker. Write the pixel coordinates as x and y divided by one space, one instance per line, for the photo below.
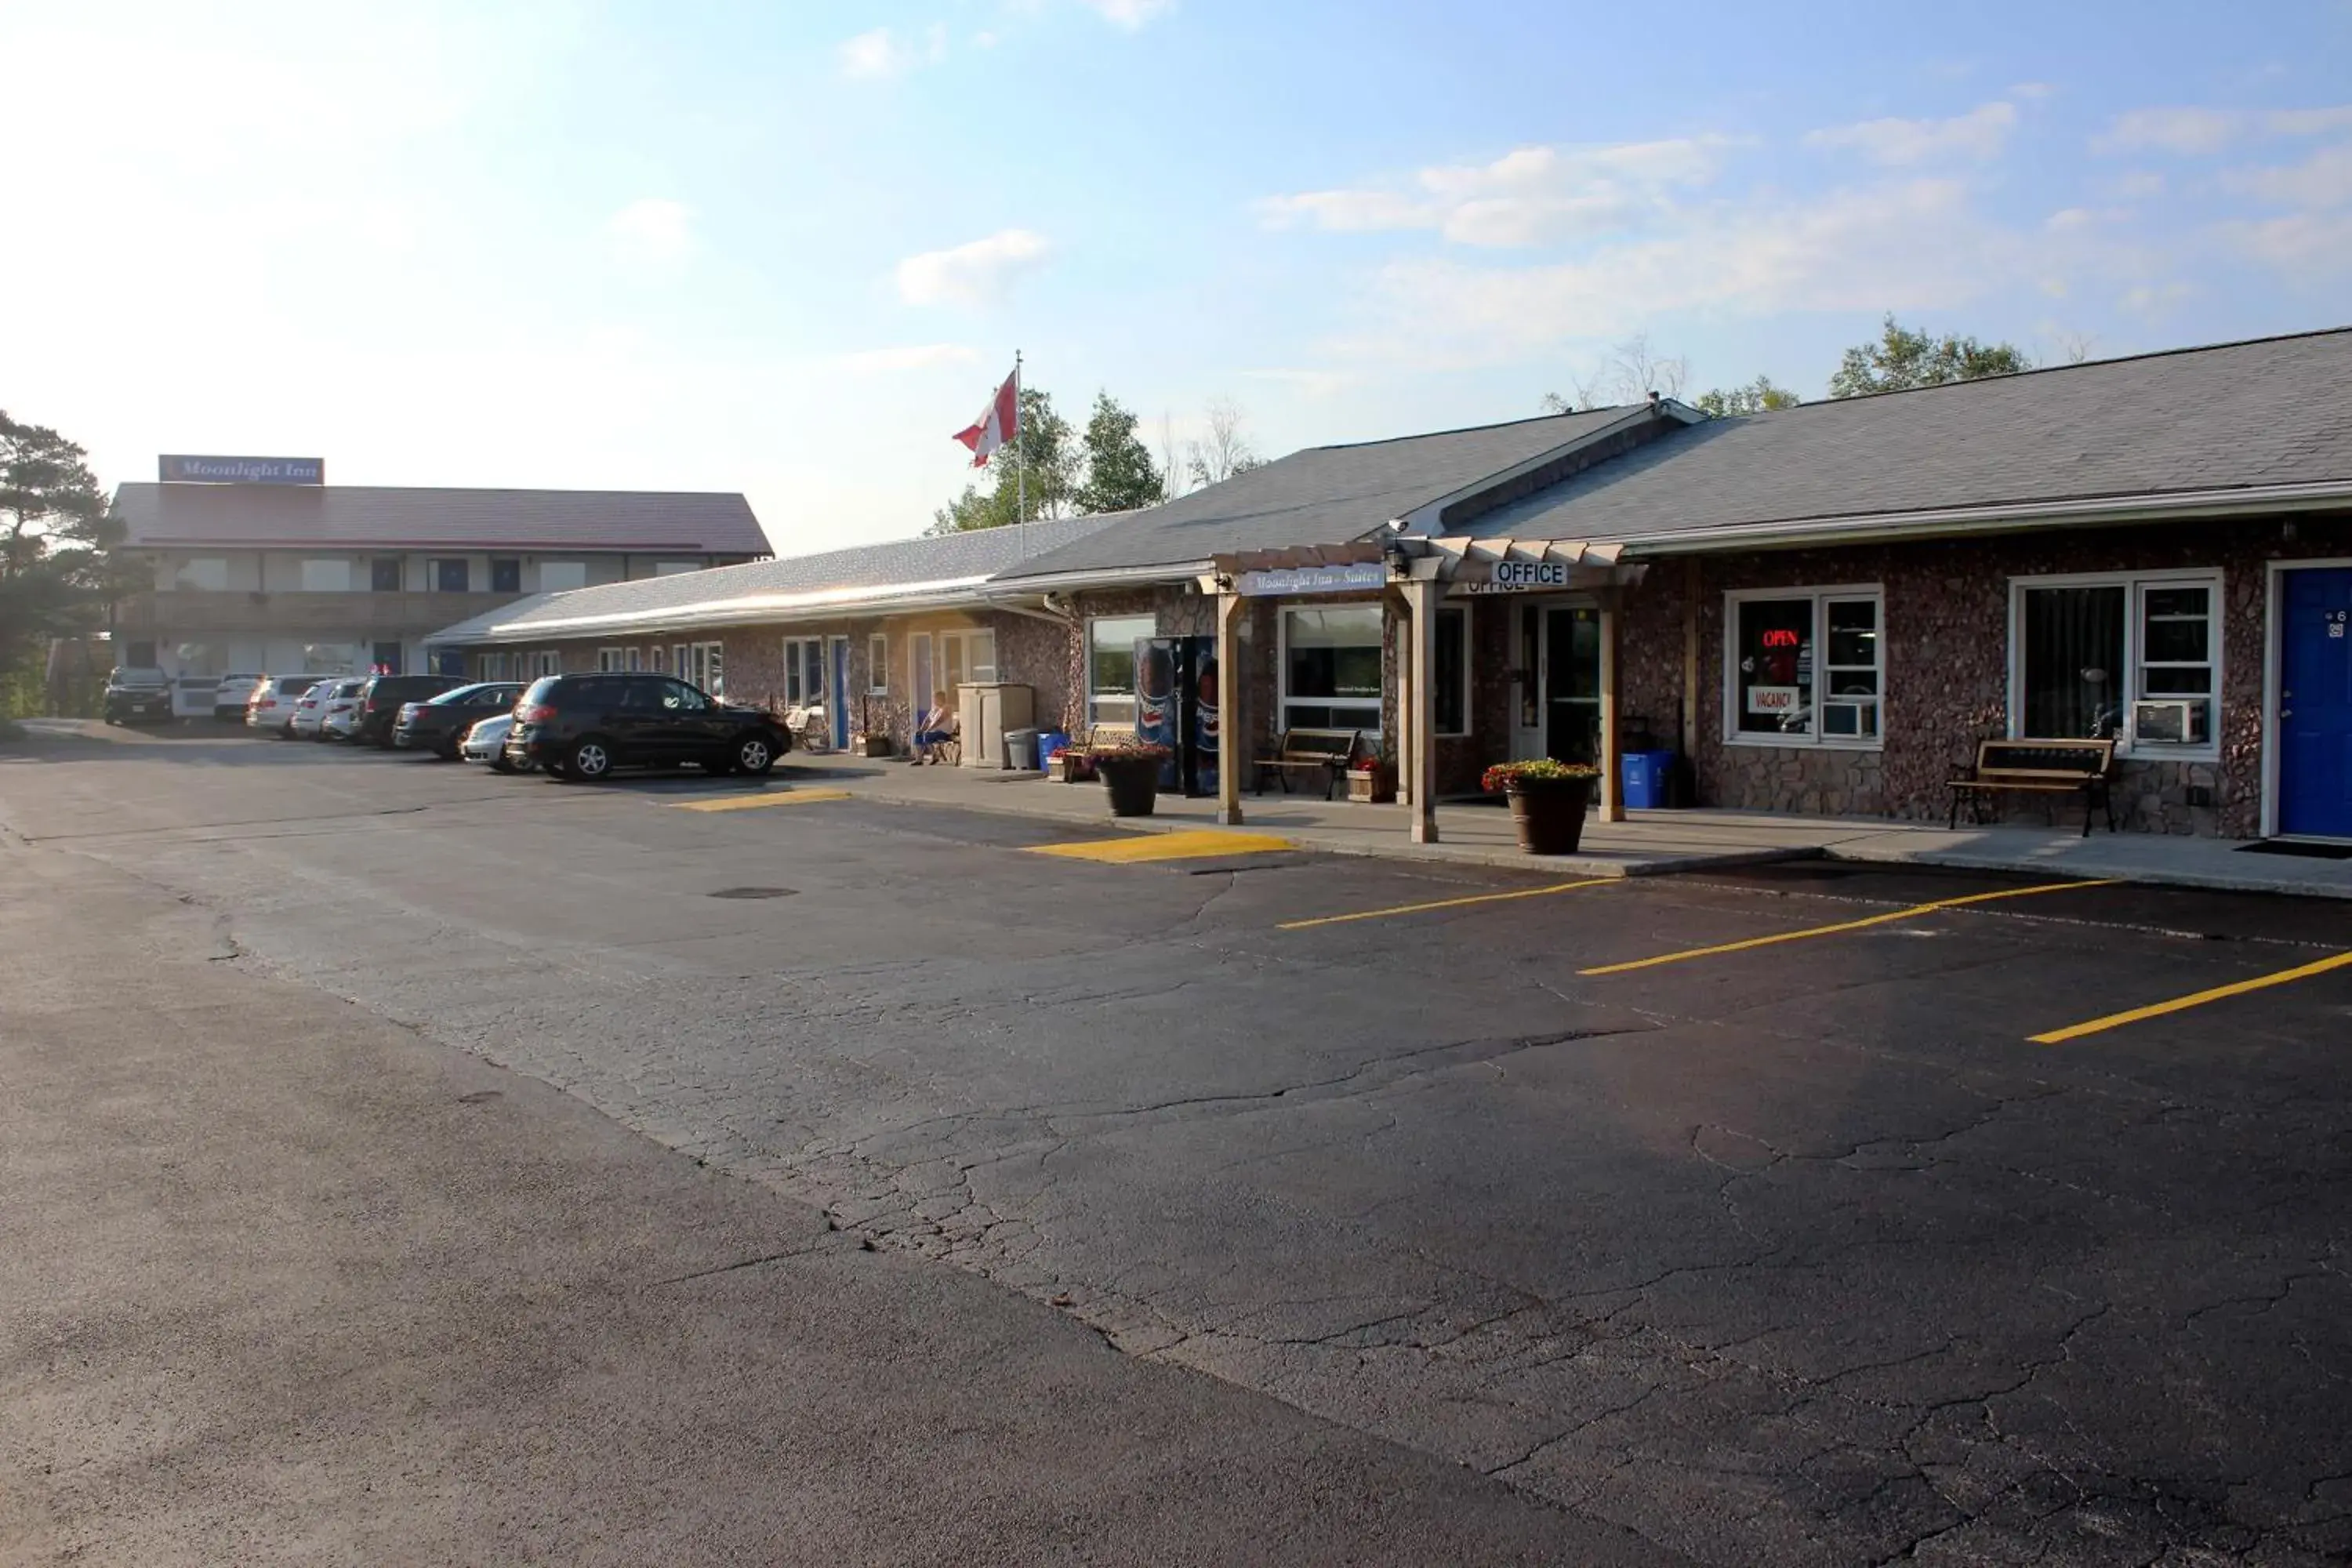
2163 722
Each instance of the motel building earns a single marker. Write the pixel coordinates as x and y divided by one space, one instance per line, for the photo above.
1821 610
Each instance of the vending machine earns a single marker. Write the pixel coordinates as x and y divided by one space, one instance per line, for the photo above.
1176 706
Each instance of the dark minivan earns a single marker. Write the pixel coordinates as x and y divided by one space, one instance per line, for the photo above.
438 724
381 700
584 726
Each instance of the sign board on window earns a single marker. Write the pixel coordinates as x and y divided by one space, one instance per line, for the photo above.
1775 699
182 470
1312 579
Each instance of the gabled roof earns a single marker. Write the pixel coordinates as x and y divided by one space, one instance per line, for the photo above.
1324 495
904 573
2244 419
349 516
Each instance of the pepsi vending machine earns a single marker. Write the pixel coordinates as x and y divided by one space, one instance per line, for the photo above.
1176 706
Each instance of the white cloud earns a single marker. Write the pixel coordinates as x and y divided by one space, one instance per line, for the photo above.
2194 133
2032 92
1528 196
653 233
2150 299
1128 13
979 273
2305 243
1980 133
2322 180
1308 383
881 53
906 356
1915 245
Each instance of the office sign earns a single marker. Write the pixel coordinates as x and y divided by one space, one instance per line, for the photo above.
183 469
1515 577
1292 580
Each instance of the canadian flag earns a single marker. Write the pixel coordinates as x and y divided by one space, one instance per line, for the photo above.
1000 422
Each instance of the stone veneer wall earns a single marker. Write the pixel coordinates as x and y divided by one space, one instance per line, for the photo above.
1948 648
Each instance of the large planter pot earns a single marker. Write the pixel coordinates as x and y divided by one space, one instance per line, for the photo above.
1550 817
1132 783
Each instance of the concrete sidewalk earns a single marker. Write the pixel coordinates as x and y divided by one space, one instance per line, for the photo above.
1649 843
288 1283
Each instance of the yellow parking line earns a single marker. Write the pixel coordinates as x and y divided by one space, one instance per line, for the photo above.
1448 903
1912 913
1194 843
773 797
2195 999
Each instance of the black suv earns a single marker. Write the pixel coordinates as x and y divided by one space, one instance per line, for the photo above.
381 700
135 693
584 726
438 724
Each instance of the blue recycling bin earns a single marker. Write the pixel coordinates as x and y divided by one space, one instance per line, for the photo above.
1645 779
1049 742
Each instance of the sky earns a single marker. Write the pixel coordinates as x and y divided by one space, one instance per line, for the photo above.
788 249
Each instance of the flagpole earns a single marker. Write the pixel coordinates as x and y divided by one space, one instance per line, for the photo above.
1020 461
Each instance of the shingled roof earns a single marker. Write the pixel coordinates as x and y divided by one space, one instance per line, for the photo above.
349 517
2234 418
1324 495
902 573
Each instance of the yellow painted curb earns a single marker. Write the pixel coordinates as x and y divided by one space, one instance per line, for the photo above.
750 802
1198 844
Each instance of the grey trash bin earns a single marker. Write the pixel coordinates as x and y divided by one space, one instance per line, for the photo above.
1021 750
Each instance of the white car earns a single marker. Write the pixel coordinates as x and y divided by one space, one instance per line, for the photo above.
310 708
487 743
232 693
271 706
339 715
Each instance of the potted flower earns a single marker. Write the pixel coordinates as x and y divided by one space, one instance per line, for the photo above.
1369 778
1548 801
1129 767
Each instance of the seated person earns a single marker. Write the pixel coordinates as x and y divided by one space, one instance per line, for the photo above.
936 728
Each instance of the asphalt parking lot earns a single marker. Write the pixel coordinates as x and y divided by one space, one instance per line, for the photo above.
1813 1214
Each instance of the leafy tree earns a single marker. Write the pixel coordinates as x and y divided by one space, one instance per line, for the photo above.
55 532
1903 358
1731 402
1120 474
1050 453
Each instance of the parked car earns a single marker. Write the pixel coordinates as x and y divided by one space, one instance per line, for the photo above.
381 701
337 709
231 693
311 708
584 726
270 708
135 695
487 743
438 724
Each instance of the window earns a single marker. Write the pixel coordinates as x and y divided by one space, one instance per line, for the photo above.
546 662
1806 667
562 576
2134 659
506 576
209 573
1452 698
804 671
637 658
387 659
704 664
449 576
326 576
658 660
610 659
674 568
384 574
1331 668
680 699
878 666
494 667
966 657
1110 666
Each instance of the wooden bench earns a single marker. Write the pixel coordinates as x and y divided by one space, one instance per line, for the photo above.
1299 751
2040 768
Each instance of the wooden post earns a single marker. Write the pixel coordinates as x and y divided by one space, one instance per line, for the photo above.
1420 720
1613 784
1403 608
1233 747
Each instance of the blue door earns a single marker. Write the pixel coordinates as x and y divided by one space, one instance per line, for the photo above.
2316 705
836 691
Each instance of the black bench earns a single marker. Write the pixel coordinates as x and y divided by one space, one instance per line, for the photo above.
2043 767
1297 750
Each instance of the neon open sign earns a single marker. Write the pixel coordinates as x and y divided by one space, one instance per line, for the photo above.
1776 640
